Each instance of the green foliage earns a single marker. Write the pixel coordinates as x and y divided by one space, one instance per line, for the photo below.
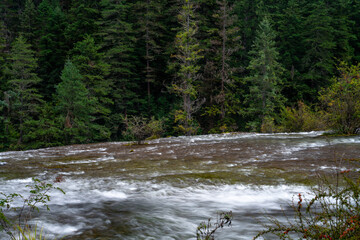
342 100
82 16
52 48
140 128
186 67
89 62
206 231
38 197
28 22
22 101
264 98
319 43
301 118
77 108
333 213
199 62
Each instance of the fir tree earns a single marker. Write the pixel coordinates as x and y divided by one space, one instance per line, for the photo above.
318 61
52 46
22 97
89 62
82 16
77 107
290 35
187 56
150 29
119 48
264 97
28 22
225 44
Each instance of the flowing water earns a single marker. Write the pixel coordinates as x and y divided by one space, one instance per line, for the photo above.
163 189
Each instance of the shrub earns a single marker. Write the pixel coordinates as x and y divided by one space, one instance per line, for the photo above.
301 118
342 100
140 128
333 213
39 196
206 231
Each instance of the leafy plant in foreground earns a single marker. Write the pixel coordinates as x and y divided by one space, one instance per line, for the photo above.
19 225
333 213
206 231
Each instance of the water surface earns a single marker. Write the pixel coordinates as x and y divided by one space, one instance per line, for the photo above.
163 189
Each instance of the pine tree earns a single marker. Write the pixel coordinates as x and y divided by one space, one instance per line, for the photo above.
52 46
2 86
226 44
89 62
187 56
77 107
82 17
318 61
119 48
22 97
151 31
291 27
28 22
264 97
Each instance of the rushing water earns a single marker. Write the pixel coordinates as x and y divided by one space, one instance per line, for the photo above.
165 188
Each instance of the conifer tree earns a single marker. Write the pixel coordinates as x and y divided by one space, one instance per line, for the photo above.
89 62
77 107
226 42
291 51
119 48
28 22
82 17
264 97
23 98
2 85
318 61
187 77
150 29
52 46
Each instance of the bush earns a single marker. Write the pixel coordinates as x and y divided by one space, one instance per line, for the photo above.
140 128
206 231
333 213
301 118
342 100
39 196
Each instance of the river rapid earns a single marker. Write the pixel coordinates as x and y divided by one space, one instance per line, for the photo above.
163 189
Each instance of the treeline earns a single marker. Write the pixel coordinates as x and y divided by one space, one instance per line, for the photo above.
78 71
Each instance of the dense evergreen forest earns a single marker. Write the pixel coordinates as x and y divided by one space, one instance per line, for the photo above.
80 71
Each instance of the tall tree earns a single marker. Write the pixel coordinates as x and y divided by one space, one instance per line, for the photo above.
151 30
82 17
119 47
22 97
187 56
77 107
28 24
52 46
290 35
318 61
264 97
2 85
90 63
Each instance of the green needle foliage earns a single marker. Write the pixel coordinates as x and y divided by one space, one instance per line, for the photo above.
187 69
22 98
77 107
264 97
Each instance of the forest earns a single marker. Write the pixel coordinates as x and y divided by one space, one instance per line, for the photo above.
86 71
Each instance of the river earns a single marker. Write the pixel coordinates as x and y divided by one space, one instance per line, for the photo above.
163 189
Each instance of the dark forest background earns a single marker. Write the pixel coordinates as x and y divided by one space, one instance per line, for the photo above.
89 71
